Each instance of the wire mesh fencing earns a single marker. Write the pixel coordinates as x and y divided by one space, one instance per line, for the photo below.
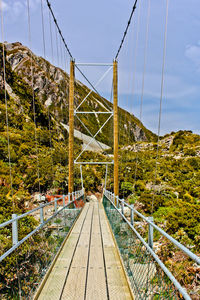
147 278
22 271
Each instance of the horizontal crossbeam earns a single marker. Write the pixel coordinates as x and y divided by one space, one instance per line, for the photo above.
94 162
94 64
93 112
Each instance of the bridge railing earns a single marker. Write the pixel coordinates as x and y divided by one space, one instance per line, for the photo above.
29 243
149 276
15 218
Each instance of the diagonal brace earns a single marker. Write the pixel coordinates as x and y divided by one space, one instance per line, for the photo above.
94 137
100 80
91 134
93 87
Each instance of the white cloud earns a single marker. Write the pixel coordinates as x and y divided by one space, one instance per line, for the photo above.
174 116
193 53
5 6
34 4
175 86
19 8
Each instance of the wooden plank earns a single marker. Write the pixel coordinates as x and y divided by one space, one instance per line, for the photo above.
117 283
75 284
54 284
78 280
96 282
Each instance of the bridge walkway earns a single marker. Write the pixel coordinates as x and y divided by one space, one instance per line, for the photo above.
89 266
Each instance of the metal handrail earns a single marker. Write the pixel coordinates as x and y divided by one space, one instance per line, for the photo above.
27 213
111 197
165 234
31 211
155 256
170 238
78 195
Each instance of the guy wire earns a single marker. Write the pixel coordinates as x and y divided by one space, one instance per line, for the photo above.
33 95
6 104
161 99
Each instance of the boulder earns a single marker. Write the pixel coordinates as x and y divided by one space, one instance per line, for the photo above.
92 198
127 212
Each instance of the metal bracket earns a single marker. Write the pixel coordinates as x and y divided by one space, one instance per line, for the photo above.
94 162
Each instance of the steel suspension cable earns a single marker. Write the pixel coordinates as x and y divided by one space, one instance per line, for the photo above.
126 30
136 46
33 95
43 32
6 105
127 101
125 122
48 111
58 61
145 58
161 98
61 54
65 142
64 58
59 30
51 38
135 32
53 58
143 76
134 75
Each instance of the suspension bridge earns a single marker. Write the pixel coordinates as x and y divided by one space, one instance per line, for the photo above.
87 250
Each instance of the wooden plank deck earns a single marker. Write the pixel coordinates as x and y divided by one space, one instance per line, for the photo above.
89 266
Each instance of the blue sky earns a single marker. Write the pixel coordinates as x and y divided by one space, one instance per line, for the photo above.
93 31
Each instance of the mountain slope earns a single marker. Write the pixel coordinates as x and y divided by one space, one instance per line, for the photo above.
52 84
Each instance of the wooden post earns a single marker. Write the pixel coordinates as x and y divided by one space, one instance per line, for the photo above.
71 128
115 111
